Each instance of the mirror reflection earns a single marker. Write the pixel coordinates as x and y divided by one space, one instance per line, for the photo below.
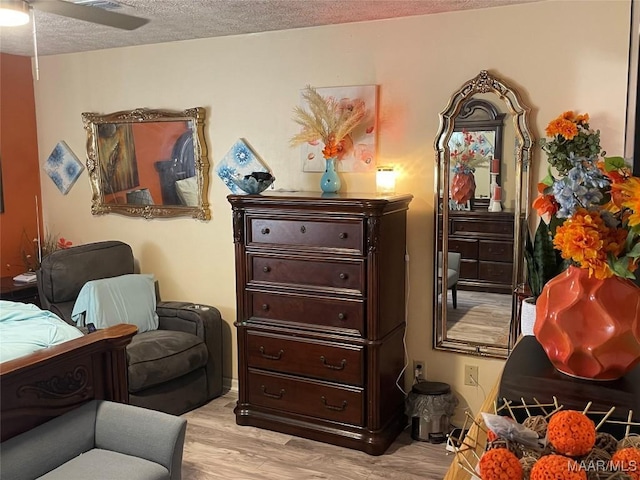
149 163
483 153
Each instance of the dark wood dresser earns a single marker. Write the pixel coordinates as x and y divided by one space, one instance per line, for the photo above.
485 240
321 315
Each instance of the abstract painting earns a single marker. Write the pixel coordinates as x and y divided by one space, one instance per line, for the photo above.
63 167
358 152
239 160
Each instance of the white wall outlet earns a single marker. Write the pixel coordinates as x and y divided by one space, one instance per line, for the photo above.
471 375
419 370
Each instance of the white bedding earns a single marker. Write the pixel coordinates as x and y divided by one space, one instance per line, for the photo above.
25 328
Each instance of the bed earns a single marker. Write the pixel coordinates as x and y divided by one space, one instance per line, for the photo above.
38 386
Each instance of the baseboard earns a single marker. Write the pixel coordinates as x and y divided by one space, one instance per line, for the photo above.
230 384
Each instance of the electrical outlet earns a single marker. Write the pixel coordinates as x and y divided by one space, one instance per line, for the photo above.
419 370
471 375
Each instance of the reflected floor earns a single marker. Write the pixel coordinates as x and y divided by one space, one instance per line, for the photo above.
480 318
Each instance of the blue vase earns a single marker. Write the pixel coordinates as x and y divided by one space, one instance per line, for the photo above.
330 181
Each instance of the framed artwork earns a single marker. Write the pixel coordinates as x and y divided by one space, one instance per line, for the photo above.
63 167
359 147
239 160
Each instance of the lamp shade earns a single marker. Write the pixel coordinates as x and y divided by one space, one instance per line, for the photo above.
13 13
385 179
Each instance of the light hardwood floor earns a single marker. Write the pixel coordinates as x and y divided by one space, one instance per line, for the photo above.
216 448
480 317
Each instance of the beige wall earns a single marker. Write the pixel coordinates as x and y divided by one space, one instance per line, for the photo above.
561 54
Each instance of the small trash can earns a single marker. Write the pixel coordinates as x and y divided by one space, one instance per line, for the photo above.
430 406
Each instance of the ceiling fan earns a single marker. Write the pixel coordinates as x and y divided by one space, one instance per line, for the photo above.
17 11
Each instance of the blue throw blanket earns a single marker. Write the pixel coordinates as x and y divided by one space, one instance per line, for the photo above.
25 328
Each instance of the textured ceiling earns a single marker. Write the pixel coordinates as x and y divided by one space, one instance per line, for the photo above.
173 20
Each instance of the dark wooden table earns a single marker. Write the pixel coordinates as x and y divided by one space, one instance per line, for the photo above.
19 292
529 374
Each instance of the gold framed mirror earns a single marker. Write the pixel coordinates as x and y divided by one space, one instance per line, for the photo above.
476 282
148 163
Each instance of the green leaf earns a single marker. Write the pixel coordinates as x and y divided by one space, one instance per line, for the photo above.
620 267
613 163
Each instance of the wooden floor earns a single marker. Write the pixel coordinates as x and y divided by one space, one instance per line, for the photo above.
480 318
216 448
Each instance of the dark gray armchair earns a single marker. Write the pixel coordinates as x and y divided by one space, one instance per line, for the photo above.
173 369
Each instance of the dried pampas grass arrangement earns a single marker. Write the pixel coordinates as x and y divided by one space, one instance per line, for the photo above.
328 120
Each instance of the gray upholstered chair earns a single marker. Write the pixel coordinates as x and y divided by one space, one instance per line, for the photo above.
453 274
173 369
99 440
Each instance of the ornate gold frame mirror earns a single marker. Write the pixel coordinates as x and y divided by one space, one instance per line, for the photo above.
148 163
483 238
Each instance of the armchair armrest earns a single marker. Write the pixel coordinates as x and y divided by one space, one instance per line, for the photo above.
204 321
154 436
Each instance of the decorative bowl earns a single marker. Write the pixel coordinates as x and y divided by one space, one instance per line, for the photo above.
255 183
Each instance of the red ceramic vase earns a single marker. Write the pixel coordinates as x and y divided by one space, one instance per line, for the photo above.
463 187
589 328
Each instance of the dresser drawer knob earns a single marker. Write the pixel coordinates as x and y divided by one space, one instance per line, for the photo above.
343 364
343 276
277 396
303 229
334 407
266 269
277 356
265 306
342 316
343 235
265 231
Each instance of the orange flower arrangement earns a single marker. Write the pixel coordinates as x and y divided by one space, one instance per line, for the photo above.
627 460
500 464
570 136
593 206
571 433
586 239
557 467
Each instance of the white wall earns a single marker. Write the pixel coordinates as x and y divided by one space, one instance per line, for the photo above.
561 55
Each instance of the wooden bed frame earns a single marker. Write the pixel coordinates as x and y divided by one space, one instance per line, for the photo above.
45 384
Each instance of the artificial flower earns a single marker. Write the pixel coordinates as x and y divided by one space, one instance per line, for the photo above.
570 134
592 205
327 120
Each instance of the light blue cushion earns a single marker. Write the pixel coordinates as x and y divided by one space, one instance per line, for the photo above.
124 299
25 328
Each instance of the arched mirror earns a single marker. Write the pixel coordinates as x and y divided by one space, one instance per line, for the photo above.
483 155
148 163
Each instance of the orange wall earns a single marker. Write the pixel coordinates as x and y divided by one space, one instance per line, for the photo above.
20 166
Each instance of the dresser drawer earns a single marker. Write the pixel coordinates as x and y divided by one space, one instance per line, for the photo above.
482 227
310 233
467 248
347 315
332 362
348 275
498 251
307 397
495 272
469 269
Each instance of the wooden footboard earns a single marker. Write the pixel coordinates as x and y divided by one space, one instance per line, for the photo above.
45 384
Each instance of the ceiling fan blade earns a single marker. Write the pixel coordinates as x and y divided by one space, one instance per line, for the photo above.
89 14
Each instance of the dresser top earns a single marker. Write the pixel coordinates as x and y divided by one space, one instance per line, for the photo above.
310 199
